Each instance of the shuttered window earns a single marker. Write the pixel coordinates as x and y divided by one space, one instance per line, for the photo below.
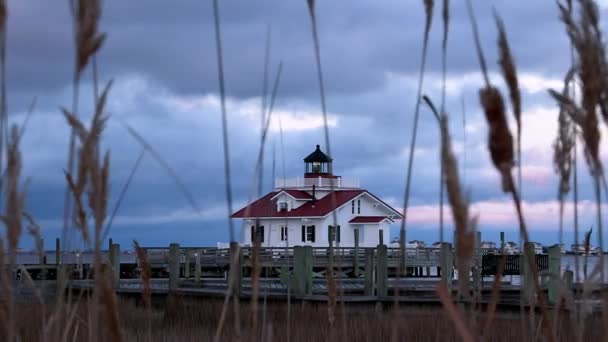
260 234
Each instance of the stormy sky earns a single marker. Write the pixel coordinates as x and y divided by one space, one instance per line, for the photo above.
161 56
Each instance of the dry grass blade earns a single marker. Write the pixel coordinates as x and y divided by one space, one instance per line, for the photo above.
15 197
495 295
428 6
145 272
465 236
220 69
482 60
161 161
34 230
455 315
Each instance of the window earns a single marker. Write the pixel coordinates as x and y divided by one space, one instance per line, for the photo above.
353 203
334 233
358 206
308 233
316 167
283 206
284 233
257 234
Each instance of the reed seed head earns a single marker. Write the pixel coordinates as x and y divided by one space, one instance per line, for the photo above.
500 140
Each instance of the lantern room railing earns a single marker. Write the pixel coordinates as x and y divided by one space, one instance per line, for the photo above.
319 182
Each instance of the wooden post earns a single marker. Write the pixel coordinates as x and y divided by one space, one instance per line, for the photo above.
446 264
502 241
173 266
236 273
382 271
380 237
186 264
476 271
57 251
569 279
302 270
41 258
527 281
555 254
197 265
115 254
369 272
356 259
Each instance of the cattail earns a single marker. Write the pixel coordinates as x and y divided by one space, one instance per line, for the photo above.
88 40
428 12
15 198
500 140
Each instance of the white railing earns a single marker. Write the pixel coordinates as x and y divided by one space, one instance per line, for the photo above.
320 182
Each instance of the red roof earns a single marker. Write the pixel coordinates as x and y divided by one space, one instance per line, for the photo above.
265 207
297 194
368 219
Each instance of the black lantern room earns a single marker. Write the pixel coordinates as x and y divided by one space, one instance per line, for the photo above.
317 164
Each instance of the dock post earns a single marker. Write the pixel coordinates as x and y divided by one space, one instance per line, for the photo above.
173 266
502 241
356 259
476 271
569 280
380 237
57 251
555 254
446 264
187 264
236 273
115 258
527 282
382 271
368 274
197 265
302 270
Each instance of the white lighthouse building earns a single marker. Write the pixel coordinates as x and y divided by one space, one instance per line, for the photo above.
316 209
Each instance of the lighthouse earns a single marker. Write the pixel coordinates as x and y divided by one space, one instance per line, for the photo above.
316 209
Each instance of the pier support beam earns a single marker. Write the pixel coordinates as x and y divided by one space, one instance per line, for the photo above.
197 265
187 264
527 282
447 265
302 270
173 266
57 251
382 271
115 263
356 259
380 237
368 274
555 254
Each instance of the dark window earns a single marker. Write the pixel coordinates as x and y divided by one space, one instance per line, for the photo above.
284 233
353 203
257 233
310 233
334 233
303 233
282 206
358 206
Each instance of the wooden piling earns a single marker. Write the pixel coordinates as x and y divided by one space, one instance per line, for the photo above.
380 237
381 271
369 272
57 251
236 272
197 265
302 270
555 254
476 270
187 264
173 266
527 281
446 264
356 259
115 258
